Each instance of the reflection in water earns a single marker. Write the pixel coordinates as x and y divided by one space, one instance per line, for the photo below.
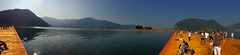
88 34
36 52
28 34
92 42
143 32
138 32
236 35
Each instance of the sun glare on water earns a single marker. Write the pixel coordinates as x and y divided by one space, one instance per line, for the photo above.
36 27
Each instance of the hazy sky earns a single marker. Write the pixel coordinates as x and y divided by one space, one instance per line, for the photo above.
156 13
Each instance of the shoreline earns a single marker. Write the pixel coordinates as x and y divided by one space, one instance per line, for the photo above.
120 29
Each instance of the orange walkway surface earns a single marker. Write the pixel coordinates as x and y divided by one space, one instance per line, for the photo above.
229 48
11 38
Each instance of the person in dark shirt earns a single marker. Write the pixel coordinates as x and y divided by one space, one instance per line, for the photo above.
4 44
218 43
185 43
186 46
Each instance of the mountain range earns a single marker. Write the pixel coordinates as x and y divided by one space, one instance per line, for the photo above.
20 17
87 22
25 17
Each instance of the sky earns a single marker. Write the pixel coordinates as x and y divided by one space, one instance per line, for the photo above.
155 13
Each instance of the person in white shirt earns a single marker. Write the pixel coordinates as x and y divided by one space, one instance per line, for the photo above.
179 39
189 35
232 35
202 38
206 36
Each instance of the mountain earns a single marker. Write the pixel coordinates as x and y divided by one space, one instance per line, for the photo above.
87 22
194 24
235 27
21 17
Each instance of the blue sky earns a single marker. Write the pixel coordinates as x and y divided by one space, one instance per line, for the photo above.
156 13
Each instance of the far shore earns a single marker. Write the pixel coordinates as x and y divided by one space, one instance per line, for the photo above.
121 29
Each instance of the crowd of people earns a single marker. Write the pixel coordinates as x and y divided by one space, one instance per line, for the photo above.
184 48
215 39
5 26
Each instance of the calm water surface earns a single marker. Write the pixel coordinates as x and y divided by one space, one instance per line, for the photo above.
65 41
236 35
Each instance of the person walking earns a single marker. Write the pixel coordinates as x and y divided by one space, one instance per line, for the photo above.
202 38
213 35
223 35
210 36
218 42
206 36
189 35
232 35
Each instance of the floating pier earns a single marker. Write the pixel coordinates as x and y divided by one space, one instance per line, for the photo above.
11 38
229 48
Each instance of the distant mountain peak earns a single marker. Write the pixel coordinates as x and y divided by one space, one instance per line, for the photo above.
194 24
21 17
89 18
16 10
20 12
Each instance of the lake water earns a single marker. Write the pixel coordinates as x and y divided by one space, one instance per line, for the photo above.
66 41
236 35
